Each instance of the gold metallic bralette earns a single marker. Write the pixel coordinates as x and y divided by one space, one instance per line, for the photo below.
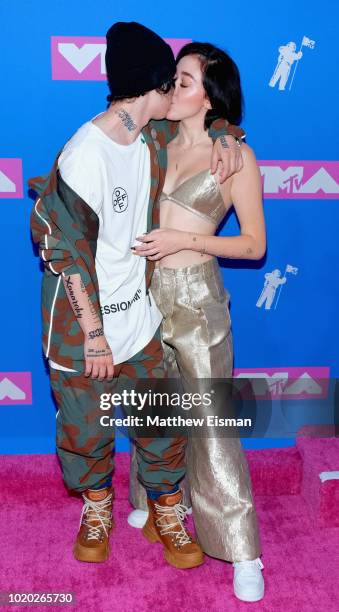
201 195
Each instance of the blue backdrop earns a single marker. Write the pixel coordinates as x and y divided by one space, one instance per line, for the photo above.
291 332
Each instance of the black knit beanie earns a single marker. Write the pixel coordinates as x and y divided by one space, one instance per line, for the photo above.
137 60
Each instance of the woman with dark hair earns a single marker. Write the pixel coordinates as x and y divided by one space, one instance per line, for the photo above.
188 288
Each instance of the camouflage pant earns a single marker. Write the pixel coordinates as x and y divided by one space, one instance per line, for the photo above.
85 448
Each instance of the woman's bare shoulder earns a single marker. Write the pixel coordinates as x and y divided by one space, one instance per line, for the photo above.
250 166
250 169
248 154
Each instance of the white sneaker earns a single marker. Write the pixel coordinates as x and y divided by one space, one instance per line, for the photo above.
248 582
137 518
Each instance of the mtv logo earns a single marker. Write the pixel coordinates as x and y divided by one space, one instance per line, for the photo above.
11 178
284 383
82 58
296 180
15 388
78 58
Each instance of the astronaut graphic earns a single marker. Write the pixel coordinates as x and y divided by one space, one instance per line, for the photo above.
272 282
287 56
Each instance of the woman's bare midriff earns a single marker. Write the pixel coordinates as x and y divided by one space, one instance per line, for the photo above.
174 216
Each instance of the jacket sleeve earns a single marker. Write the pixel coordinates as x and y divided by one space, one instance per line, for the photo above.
54 248
66 230
167 129
221 127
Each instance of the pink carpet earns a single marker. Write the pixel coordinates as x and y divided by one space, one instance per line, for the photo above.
299 535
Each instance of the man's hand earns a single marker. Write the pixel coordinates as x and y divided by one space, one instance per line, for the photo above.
98 356
227 151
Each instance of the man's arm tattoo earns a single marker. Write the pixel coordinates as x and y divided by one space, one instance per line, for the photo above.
91 307
75 304
98 352
95 333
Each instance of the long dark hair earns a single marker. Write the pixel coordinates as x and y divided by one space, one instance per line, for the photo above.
221 81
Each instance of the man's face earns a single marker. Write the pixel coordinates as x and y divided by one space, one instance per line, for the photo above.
160 103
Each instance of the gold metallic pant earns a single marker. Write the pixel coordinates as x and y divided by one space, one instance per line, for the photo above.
197 342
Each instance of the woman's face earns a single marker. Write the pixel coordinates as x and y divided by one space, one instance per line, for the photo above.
189 97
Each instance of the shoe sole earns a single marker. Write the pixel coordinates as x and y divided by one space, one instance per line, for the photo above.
81 553
187 563
249 598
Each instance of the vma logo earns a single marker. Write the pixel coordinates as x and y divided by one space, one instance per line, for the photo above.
82 58
285 383
15 388
11 178
297 180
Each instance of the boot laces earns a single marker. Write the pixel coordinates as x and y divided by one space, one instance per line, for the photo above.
96 511
178 511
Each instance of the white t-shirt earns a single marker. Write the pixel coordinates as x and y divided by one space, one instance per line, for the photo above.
114 180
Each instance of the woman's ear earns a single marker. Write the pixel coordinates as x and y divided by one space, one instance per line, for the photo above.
207 103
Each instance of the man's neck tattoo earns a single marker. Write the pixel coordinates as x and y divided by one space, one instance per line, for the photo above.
127 120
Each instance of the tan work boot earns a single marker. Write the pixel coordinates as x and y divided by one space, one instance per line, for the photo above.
92 543
165 525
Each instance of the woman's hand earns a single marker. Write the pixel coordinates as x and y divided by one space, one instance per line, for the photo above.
160 242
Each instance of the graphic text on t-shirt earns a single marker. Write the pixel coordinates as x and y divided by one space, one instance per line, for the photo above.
119 306
120 199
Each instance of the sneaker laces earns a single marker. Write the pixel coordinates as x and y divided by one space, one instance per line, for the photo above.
247 566
96 511
178 511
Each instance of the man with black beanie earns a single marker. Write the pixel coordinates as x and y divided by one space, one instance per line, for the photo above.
101 322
